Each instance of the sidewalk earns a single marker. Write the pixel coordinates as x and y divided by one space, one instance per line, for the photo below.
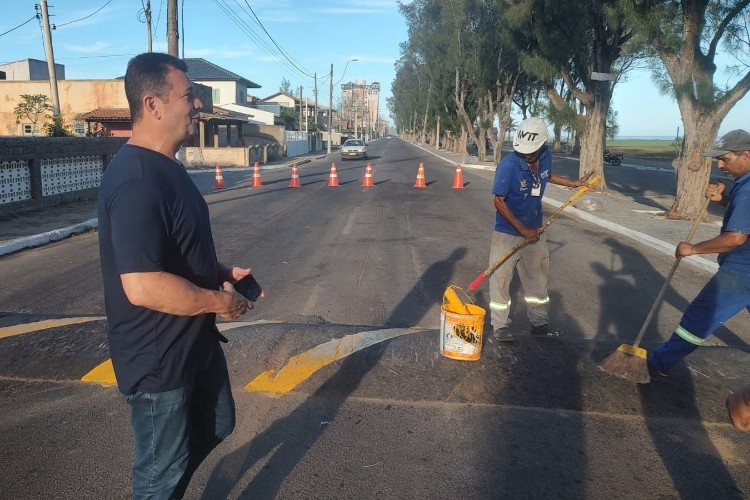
621 215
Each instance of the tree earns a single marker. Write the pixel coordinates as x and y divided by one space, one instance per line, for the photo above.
686 37
57 128
285 86
34 107
575 42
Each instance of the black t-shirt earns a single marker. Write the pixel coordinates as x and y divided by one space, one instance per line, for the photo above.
153 218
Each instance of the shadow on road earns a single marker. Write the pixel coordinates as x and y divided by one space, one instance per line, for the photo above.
662 403
288 439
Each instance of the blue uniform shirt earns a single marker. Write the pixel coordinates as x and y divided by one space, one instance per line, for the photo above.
737 220
513 181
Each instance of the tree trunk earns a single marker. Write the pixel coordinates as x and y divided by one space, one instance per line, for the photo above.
463 141
592 153
557 140
482 145
693 171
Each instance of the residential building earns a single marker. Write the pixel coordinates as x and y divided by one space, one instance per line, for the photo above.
360 107
30 69
226 87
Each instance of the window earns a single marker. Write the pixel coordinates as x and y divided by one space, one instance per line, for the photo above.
28 129
78 128
216 95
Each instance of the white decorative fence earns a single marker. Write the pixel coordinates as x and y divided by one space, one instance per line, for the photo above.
63 175
43 172
15 181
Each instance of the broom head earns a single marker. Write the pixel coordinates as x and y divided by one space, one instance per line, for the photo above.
628 362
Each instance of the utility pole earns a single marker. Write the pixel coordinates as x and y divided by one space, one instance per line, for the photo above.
147 13
300 108
316 100
330 109
50 60
173 36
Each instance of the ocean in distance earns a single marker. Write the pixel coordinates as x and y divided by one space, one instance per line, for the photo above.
645 137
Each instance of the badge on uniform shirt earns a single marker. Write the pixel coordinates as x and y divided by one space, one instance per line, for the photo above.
536 189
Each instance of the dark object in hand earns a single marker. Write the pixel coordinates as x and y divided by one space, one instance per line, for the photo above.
249 288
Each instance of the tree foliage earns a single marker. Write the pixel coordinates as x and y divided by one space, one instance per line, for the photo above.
57 127
33 107
467 62
286 86
685 39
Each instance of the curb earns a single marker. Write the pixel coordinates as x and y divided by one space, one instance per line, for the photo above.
48 237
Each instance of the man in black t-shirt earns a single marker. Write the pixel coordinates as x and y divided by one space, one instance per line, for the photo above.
163 285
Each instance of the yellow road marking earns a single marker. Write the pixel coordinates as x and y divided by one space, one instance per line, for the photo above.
10 331
104 374
299 368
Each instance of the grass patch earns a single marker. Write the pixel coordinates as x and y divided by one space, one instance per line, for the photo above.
647 149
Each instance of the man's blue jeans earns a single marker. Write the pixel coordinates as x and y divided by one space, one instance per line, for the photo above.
175 430
726 294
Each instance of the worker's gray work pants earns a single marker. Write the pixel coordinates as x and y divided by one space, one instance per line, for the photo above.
532 262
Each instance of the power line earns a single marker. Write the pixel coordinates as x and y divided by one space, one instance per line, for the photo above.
283 52
55 26
237 19
13 29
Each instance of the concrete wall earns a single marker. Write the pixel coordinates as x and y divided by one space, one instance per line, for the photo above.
229 157
76 97
42 172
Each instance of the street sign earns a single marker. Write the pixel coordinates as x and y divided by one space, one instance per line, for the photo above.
603 76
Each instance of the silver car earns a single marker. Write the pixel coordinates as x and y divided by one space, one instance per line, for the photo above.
354 148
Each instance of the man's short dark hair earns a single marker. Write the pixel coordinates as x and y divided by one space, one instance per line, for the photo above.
147 74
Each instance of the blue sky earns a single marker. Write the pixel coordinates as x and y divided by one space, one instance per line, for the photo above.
308 36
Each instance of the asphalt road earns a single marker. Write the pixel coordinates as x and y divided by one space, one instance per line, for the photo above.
354 279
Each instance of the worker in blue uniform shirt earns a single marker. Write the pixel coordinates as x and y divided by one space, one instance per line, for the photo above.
728 291
520 180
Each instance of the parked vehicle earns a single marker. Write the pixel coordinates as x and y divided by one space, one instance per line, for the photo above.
612 158
354 148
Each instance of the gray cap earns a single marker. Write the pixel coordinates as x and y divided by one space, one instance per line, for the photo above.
736 140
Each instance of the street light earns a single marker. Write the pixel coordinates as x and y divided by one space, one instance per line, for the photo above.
330 100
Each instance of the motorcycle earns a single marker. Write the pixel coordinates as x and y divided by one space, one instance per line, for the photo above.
612 158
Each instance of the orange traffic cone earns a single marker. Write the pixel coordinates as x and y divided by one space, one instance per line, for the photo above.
333 178
219 184
294 182
420 177
256 175
458 180
368 176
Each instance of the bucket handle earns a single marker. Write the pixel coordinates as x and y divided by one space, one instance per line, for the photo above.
471 301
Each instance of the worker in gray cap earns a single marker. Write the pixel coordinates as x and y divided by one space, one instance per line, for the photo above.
728 291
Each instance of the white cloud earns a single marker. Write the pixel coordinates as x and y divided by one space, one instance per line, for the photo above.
89 48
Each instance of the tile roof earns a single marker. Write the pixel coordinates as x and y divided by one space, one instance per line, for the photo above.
108 114
201 70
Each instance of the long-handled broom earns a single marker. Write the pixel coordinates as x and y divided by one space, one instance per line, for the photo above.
580 192
629 361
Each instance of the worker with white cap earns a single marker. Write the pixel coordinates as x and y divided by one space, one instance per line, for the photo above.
520 180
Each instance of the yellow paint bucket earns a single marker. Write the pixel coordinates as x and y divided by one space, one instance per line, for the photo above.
461 328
